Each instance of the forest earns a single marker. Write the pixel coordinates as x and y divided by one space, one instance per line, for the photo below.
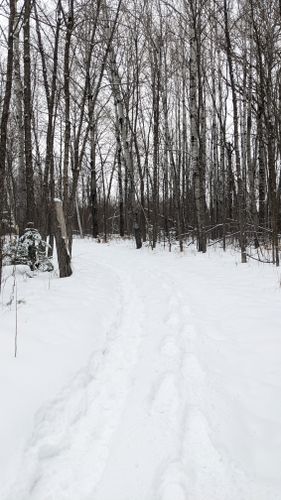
155 117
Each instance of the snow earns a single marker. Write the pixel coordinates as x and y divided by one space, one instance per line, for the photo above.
147 375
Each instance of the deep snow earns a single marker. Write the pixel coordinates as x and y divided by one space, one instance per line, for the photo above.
145 376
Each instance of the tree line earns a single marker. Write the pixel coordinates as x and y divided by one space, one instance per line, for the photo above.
160 114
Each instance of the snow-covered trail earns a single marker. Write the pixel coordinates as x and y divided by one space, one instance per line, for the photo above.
181 401
148 437
161 449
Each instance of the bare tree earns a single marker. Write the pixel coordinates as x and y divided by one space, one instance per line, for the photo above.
5 118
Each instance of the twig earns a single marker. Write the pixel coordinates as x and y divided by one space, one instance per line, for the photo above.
259 260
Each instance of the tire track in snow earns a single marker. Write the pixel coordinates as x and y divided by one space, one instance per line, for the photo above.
70 443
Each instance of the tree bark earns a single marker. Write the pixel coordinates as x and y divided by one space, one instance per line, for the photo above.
28 114
62 244
21 201
241 204
5 119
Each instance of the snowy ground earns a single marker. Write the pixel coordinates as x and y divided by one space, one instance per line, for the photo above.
144 376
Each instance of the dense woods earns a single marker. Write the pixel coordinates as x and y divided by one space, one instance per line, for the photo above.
162 117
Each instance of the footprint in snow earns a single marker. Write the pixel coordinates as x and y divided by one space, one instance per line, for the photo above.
192 369
173 491
173 320
171 483
165 400
170 348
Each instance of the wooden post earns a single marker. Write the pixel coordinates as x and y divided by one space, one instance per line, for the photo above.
61 238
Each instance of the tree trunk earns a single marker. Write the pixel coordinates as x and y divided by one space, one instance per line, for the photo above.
195 133
66 89
28 114
4 120
241 194
61 238
21 201
94 197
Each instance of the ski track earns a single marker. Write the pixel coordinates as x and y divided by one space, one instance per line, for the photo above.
133 422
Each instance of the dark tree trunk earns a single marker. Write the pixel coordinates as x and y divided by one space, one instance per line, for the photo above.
62 245
120 185
94 197
4 120
137 232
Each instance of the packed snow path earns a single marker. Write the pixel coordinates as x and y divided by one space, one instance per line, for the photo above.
181 400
